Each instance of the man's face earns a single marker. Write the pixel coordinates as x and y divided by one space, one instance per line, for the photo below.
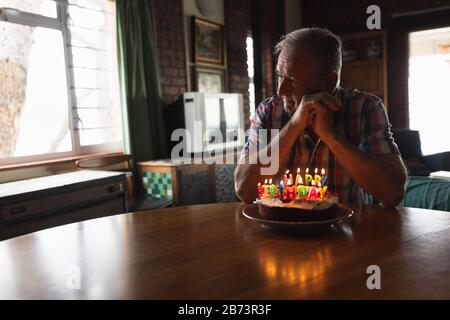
296 77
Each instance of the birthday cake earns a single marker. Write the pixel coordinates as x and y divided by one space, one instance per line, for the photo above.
299 200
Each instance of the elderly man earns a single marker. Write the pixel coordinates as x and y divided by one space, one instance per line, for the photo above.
321 125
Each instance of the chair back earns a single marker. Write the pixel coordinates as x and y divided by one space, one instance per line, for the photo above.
408 141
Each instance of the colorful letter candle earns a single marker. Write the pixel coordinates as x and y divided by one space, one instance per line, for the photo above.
265 190
313 193
302 191
281 189
324 177
323 192
290 190
285 178
272 189
317 178
298 178
308 177
260 190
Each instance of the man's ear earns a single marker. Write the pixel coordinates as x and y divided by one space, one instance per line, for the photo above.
331 81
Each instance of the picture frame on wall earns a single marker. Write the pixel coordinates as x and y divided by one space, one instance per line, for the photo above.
210 80
208 42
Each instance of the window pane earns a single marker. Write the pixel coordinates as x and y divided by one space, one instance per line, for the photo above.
90 78
33 91
93 39
89 58
99 118
92 27
92 19
98 5
42 7
429 97
97 98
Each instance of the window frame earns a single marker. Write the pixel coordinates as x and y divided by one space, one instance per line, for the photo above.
17 16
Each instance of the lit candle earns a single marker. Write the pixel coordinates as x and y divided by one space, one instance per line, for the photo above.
290 190
265 190
281 188
317 178
285 177
323 191
308 177
272 189
324 177
302 191
298 177
313 193
260 190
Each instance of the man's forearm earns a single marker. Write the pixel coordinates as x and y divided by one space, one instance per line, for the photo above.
381 177
248 175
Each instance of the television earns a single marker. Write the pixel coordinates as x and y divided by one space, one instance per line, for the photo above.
215 121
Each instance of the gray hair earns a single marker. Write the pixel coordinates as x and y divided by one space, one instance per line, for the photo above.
321 43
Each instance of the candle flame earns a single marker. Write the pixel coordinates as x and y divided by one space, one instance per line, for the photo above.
315 170
301 180
298 170
270 181
265 181
287 171
289 182
307 170
323 171
319 184
313 182
281 182
259 184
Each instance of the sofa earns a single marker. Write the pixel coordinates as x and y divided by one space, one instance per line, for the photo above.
422 191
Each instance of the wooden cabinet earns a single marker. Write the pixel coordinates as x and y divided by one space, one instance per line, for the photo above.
35 204
184 184
187 184
364 63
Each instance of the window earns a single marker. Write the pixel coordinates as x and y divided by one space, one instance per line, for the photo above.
429 95
59 87
250 72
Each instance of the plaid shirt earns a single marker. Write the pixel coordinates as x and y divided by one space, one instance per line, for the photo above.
362 120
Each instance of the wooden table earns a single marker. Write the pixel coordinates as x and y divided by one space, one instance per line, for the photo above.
213 252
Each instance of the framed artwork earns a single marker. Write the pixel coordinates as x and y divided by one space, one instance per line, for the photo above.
208 42
210 80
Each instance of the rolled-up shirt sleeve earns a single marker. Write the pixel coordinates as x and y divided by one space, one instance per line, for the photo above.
377 135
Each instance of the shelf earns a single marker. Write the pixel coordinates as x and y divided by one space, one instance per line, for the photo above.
365 73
